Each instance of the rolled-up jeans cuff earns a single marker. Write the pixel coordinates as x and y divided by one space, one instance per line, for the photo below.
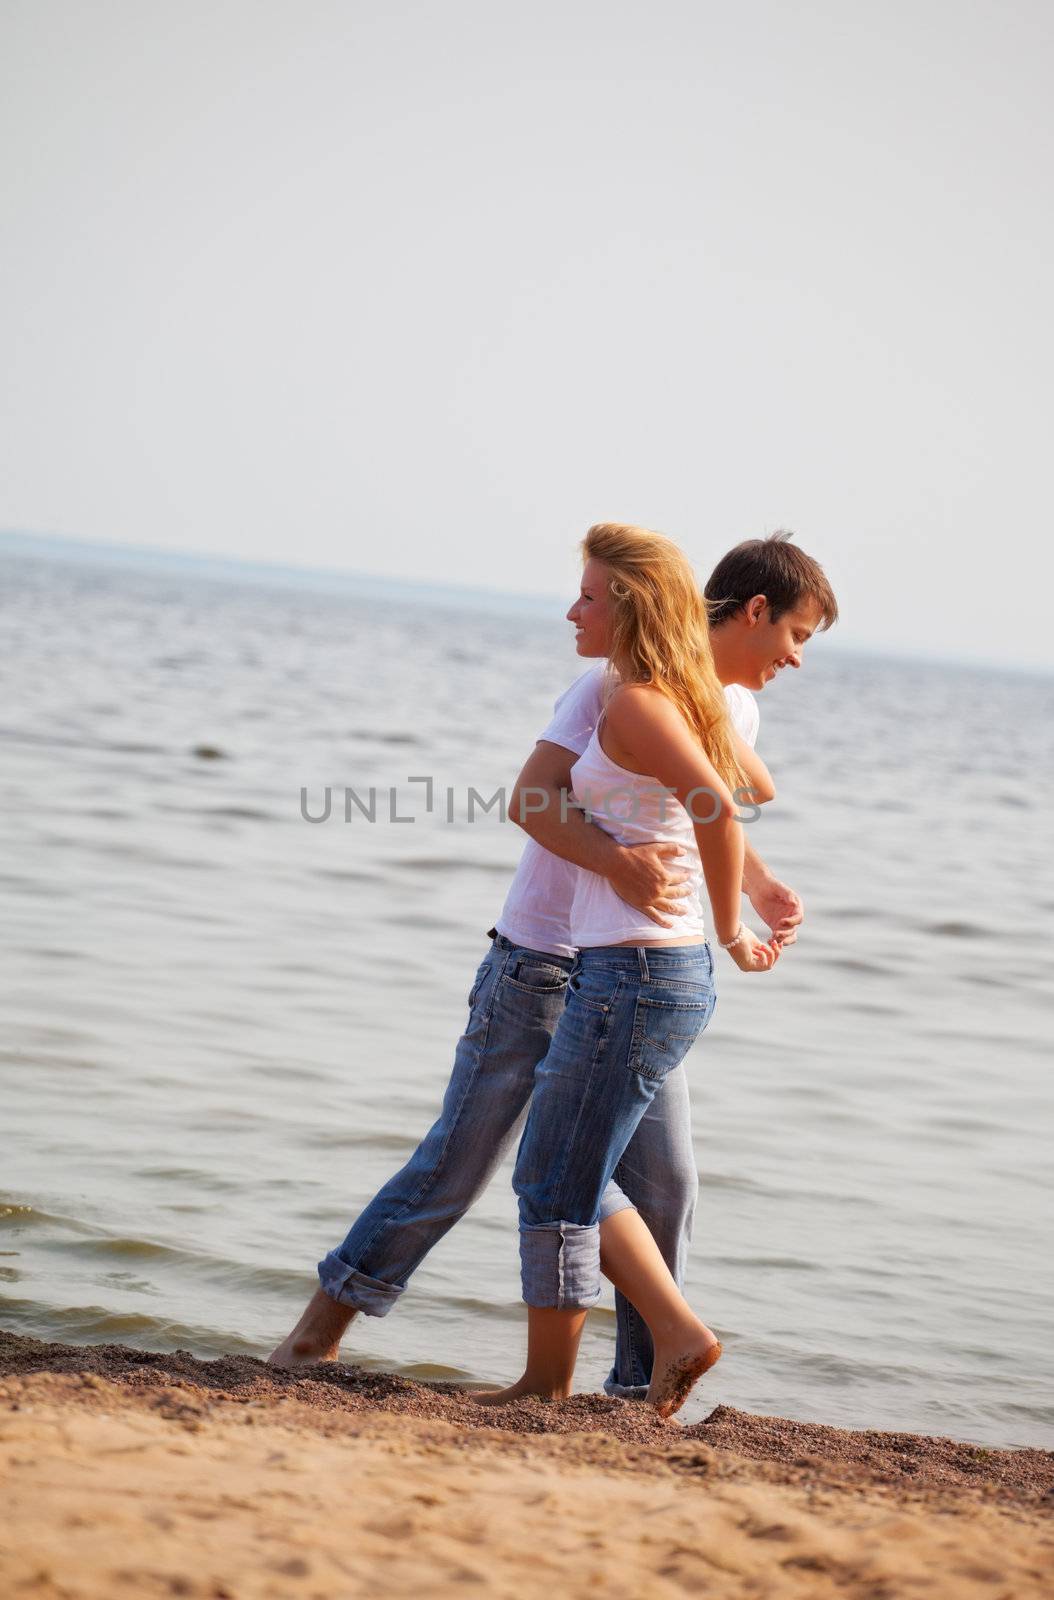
610 1207
560 1265
625 1391
353 1288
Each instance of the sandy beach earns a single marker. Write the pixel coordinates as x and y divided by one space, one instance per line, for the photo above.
134 1473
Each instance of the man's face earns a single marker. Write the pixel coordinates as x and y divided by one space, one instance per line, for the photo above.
770 646
591 612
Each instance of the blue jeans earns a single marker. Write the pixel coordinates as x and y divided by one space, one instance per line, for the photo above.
631 1016
515 1004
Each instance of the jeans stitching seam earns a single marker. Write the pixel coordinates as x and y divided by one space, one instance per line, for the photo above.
601 1041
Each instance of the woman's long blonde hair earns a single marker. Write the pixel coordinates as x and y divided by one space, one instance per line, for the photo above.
661 633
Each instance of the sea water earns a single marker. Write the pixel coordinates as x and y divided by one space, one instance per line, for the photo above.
223 1026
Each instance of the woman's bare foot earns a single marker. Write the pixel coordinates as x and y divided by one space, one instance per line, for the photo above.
316 1336
520 1390
678 1365
552 1345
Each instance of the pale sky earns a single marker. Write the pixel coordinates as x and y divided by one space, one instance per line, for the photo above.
424 289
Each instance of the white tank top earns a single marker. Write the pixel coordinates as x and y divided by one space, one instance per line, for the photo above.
633 809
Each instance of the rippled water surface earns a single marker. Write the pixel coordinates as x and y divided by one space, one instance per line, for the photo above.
224 1027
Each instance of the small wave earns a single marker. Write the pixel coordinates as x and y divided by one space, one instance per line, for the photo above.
729 1180
340 1139
956 930
397 918
432 863
1033 1413
240 813
428 1372
200 1180
474 1306
61 741
779 1263
39 890
150 855
237 813
198 1266
827 1197
738 1184
128 1248
97 1325
380 736
984 1125
282 1072
346 874
15 1215
831 1368
420 1371
855 964
457 864
189 658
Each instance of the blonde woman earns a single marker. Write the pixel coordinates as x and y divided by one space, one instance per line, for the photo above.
660 766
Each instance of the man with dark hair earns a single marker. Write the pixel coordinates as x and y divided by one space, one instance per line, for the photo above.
775 571
770 598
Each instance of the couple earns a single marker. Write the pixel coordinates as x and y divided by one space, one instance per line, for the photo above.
599 977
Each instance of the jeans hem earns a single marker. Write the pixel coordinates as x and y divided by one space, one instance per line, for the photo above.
611 1208
625 1391
560 1265
353 1288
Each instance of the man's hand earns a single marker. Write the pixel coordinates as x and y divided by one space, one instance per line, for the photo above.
643 875
778 905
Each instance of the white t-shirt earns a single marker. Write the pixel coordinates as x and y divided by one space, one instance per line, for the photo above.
537 909
743 710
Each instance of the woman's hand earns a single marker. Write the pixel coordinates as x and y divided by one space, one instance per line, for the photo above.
750 955
778 905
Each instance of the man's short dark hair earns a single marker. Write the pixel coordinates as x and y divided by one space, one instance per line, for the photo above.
774 567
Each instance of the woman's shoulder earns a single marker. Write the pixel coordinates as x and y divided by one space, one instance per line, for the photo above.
634 705
640 698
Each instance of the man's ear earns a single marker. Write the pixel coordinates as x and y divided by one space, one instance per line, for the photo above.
754 609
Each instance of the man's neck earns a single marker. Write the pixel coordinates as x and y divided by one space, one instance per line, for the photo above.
723 652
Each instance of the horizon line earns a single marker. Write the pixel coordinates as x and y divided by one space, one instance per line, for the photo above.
530 603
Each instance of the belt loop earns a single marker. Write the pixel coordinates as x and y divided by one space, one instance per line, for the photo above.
642 958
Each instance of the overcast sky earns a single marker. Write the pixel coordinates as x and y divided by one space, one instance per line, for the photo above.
425 289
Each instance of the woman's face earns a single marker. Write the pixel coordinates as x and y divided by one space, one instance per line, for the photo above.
591 612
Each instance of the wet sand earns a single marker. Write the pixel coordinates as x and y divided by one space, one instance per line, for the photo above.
134 1473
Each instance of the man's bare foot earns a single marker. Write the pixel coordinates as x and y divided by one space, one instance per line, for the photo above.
678 1366
316 1336
302 1353
520 1390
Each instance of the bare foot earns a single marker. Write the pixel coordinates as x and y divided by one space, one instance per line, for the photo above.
678 1366
520 1390
316 1336
302 1353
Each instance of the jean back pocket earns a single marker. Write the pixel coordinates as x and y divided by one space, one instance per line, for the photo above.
534 976
664 1030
